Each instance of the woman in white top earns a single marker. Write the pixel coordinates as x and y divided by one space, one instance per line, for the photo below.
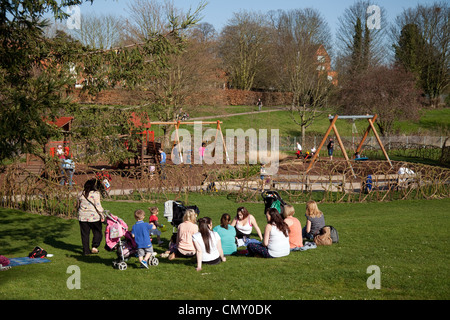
244 223
208 244
276 238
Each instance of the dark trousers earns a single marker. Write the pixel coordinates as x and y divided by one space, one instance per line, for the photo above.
85 228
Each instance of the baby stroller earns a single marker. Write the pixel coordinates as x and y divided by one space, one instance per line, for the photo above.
116 229
175 210
273 200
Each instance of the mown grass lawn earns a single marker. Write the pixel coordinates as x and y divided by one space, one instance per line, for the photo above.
407 240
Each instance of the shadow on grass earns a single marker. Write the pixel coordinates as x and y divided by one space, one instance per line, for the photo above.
21 231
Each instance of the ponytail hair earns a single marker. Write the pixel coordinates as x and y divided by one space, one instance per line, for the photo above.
203 228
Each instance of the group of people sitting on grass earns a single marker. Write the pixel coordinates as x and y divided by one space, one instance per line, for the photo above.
282 234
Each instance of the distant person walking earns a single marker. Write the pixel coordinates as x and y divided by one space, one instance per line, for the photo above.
259 104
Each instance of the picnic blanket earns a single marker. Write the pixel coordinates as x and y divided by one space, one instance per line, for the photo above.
14 262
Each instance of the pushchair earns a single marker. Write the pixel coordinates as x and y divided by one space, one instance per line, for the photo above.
116 229
175 210
273 200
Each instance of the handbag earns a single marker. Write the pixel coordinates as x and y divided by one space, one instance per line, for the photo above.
323 238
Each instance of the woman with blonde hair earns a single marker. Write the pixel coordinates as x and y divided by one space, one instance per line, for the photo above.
295 228
185 247
315 220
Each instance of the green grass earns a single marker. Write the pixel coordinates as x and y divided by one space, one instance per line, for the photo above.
436 120
408 240
432 122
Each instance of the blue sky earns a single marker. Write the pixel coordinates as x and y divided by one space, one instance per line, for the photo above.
218 12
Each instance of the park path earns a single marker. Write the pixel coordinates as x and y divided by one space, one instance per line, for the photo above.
237 114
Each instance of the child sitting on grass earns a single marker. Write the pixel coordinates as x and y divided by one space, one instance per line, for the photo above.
172 246
141 234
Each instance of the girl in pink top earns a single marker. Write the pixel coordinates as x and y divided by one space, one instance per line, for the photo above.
295 228
201 152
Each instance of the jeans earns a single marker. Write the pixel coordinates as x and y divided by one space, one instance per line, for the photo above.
67 173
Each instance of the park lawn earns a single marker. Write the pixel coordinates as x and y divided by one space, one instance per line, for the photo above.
435 120
432 122
407 240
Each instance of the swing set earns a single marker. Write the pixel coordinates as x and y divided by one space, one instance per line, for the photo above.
370 118
177 137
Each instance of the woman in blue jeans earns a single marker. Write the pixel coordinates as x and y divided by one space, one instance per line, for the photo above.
276 238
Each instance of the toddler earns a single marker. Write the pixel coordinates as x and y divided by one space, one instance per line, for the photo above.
153 221
141 234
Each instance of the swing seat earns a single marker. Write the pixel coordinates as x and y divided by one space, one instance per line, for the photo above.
361 159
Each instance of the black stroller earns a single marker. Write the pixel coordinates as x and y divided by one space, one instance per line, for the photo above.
175 210
273 200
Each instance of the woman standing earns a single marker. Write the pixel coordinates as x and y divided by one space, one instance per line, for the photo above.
276 238
244 223
90 217
208 244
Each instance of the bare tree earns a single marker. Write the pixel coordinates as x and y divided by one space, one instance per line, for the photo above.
301 39
373 38
431 53
176 74
204 32
243 44
146 18
100 31
389 92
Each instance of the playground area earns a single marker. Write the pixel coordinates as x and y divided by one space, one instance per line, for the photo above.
140 178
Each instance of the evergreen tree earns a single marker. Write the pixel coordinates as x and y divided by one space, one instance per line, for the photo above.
33 76
357 49
366 49
410 49
361 48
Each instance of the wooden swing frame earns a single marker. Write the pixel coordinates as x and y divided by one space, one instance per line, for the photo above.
177 137
370 118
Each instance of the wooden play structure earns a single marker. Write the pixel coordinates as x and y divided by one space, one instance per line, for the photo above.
65 125
370 118
177 136
147 152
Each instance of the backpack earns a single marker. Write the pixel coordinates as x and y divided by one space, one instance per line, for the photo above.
37 252
4 261
333 234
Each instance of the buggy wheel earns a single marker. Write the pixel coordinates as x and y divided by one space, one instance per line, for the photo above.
155 261
122 265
